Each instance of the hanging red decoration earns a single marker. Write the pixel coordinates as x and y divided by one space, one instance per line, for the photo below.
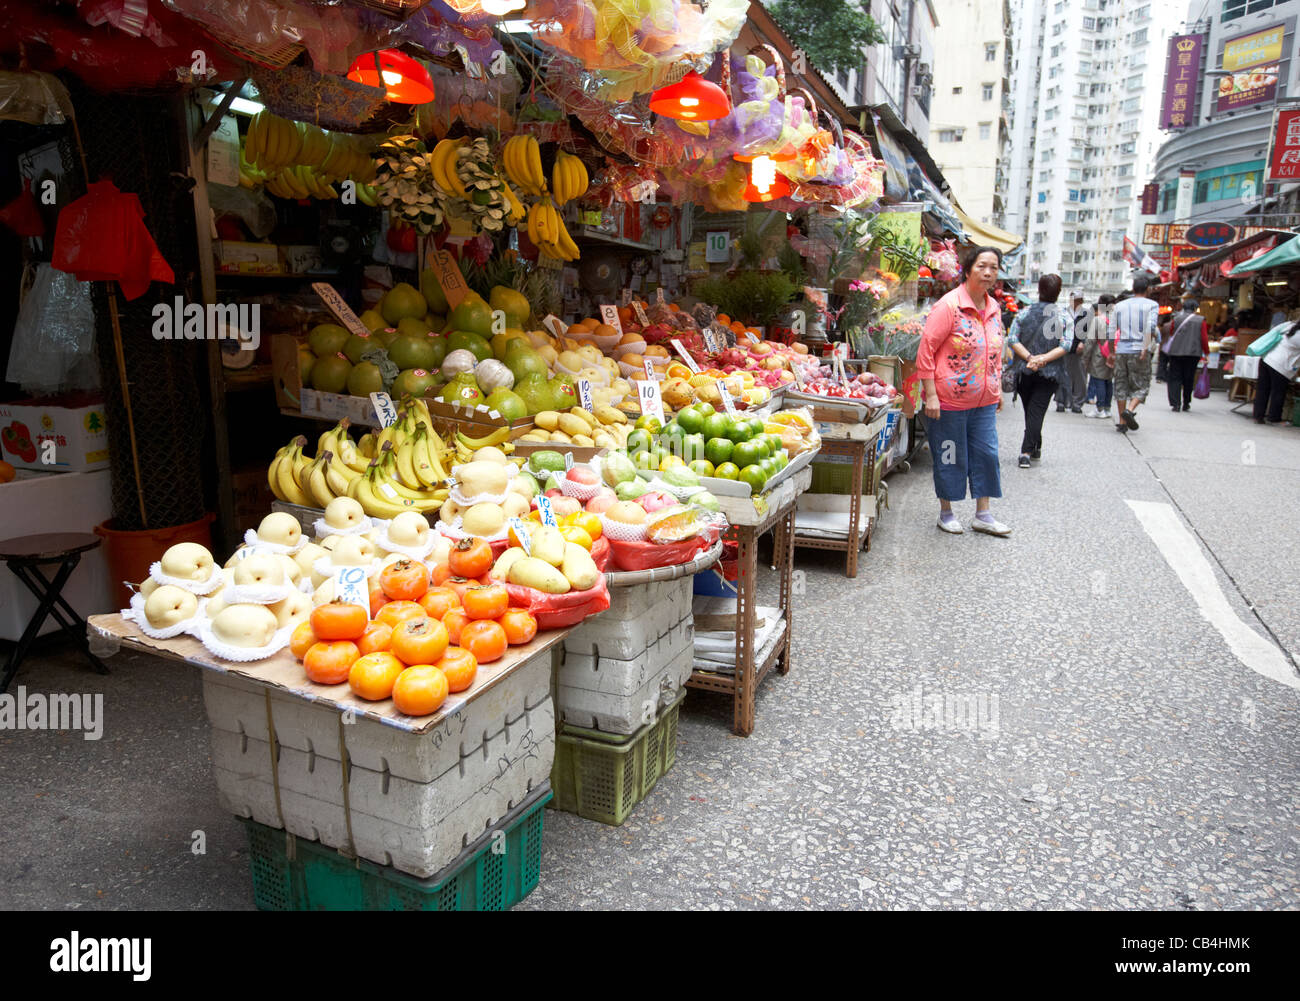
404 80
691 99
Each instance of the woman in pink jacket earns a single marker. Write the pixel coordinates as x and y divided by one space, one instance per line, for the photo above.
959 363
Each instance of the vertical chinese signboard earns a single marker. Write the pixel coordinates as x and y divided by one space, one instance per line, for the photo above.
1151 199
1181 72
1253 60
1284 162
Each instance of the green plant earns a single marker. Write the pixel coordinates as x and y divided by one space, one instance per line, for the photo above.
833 33
791 264
753 297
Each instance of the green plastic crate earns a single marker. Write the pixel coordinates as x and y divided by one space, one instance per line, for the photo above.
601 776
318 878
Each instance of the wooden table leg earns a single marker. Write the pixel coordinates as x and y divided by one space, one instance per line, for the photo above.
785 533
870 461
746 619
855 512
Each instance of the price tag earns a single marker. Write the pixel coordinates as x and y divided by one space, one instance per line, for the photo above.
452 282
717 247
753 337
610 315
650 372
384 409
546 511
727 404
639 310
555 325
652 404
341 310
798 379
350 586
710 340
521 533
659 295
627 297
840 349
584 395
568 461
686 356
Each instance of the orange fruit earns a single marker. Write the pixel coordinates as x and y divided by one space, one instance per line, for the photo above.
376 638
420 690
571 533
586 521
489 602
405 580
338 620
724 319
485 639
459 667
372 675
302 639
438 601
395 613
419 641
329 663
454 621
520 626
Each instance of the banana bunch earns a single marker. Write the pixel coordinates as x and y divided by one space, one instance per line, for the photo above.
443 163
345 159
608 427
298 479
272 143
300 181
249 176
516 213
367 195
315 144
522 158
569 178
547 230
467 446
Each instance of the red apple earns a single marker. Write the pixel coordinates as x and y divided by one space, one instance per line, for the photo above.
584 475
655 501
554 492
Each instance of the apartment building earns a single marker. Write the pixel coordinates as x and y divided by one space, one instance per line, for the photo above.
1087 101
970 125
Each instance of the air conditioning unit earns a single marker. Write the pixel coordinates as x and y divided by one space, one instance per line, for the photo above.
923 70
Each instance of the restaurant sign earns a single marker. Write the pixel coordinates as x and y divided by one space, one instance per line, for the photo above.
1182 68
1252 62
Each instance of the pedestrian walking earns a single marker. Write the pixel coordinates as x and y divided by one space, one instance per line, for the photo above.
1276 370
1187 340
1040 338
1135 328
1096 356
1072 390
959 362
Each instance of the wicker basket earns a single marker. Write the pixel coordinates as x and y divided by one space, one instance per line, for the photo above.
274 56
331 102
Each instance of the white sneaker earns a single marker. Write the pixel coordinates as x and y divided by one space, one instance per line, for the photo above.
993 527
1104 414
950 524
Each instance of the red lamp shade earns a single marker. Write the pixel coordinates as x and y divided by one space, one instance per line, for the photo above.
779 189
404 80
691 99
784 157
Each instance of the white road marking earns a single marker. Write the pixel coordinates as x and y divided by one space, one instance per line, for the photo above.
1183 553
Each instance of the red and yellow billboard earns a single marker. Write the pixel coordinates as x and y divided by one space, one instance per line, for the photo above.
1253 61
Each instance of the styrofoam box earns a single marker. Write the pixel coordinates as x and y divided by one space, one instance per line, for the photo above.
635 600
619 675
614 697
624 639
239 706
417 827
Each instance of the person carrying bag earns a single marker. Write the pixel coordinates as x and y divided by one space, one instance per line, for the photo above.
1187 343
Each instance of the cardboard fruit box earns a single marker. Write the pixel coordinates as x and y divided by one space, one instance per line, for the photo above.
64 434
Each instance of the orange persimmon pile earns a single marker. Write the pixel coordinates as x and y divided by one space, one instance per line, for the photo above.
427 632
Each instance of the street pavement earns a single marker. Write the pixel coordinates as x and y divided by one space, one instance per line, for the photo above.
1045 721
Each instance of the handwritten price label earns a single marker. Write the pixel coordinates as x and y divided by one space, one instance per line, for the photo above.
610 315
521 533
686 356
650 372
627 297
384 409
639 311
659 295
652 404
840 349
546 511
584 395
341 310
727 403
450 280
555 325
350 587
710 340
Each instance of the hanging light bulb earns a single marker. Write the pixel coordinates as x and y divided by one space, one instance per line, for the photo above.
404 80
500 8
692 99
778 187
762 173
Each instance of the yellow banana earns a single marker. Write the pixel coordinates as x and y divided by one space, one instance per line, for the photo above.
317 487
373 502
406 465
286 475
338 476
535 171
534 234
271 471
252 148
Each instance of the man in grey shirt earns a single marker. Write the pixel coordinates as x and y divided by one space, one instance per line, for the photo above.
1137 331
1073 389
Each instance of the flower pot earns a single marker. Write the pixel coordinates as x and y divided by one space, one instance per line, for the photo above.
130 554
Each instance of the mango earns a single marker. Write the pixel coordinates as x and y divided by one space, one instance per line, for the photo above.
578 567
501 568
548 545
535 573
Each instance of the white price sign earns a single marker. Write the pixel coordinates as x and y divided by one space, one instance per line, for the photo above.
584 395
341 310
546 511
727 404
610 315
717 247
639 310
686 356
650 371
521 533
652 404
659 295
710 340
627 297
555 325
753 337
350 586
840 349
384 409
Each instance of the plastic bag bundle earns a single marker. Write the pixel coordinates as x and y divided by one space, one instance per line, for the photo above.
53 348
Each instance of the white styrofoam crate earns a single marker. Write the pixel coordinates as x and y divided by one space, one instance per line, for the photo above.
614 698
417 827
635 600
237 705
624 639
623 675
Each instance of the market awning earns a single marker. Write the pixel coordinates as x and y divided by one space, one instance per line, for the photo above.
983 234
1236 252
1278 257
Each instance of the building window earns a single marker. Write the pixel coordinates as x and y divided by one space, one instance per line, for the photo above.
956 90
1043 177
1074 194
950 135
1056 51
986 130
1124 191
1139 37
990 51
1067 236
988 92
1089 24
1040 218
1073 175
1071 215
1042 197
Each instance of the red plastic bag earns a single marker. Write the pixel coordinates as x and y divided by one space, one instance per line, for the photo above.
559 611
600 554
102 237
649 555
22 215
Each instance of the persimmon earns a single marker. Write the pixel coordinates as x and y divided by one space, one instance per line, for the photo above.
373 674
420 690
489 602
328 663
460 585
471 557
459 666
419 641
438 574
377 597
438 601
302 639
520 626
376 637
405 580
485 639
396 612
455 621
338 620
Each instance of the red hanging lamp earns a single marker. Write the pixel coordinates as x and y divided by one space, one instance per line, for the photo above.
778 187
691 99
404 80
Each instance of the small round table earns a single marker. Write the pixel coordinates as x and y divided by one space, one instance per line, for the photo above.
25 556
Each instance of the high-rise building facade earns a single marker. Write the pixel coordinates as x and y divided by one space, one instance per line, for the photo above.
970 126
1086 106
